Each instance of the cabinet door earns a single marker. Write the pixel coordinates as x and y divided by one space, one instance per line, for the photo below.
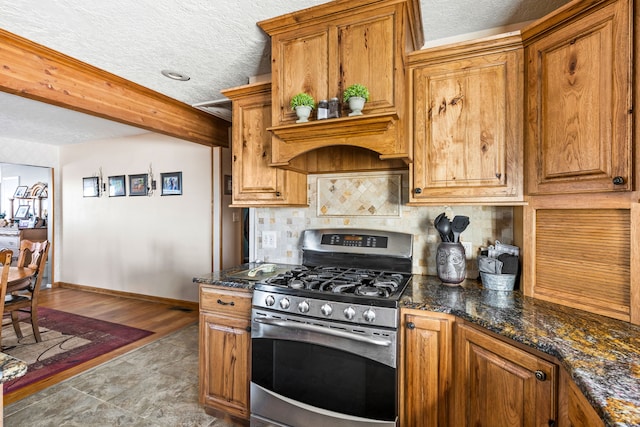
579 411
501 385
255 182
301 63
579 105
253 179
225 363
367 55
467 121
425 368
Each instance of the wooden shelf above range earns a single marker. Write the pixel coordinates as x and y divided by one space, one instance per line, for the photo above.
375 132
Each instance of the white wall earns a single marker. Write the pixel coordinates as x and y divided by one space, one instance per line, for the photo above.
150 245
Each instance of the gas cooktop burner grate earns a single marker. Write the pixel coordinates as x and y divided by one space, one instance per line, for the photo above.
341 280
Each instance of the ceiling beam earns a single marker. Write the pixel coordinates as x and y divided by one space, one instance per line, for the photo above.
34 71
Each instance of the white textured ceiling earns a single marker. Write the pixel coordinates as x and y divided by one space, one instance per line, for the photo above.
216 43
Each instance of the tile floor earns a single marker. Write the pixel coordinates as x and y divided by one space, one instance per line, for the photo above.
155 385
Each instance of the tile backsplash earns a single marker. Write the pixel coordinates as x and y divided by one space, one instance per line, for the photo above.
377 201
358 195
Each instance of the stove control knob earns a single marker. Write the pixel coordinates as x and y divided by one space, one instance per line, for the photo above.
349 313
303 307
369 315
284 303
326 309
269 300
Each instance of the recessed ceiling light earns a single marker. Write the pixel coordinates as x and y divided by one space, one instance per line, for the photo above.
175 75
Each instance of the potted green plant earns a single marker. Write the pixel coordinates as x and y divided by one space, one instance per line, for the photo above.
302 104
356 95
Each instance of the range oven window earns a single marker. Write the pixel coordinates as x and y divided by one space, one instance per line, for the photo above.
326 378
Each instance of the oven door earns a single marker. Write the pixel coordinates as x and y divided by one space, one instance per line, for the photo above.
321 373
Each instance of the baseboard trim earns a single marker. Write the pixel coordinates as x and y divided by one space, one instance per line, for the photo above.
170 301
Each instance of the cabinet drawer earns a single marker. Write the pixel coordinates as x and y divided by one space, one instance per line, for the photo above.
234 302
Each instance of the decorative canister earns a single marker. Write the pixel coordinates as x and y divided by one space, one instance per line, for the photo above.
334 108
451 262
323 109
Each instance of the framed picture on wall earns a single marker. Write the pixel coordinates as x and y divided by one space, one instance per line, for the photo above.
117 186
90 187
171 183
22 212
138 184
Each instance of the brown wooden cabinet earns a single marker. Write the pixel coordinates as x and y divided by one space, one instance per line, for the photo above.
425 368
454 373
499 384
579 99
255 182
225 352
324 49
466 103
579 411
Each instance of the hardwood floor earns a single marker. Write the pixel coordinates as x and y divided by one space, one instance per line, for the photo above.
158 317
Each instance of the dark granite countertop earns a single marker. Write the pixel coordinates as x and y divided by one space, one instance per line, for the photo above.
234 278
601 354
11 368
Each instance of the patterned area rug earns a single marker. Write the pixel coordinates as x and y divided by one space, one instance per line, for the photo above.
67 341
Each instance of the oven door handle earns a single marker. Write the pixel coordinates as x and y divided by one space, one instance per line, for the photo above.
323 330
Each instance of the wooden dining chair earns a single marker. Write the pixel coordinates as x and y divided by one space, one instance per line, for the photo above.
5 261
32 255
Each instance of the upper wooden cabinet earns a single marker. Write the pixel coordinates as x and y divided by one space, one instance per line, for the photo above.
324 49
467 116
255 182
579 99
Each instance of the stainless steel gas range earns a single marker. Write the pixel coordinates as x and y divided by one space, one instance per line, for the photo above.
324 335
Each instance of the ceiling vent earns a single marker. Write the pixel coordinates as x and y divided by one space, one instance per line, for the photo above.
220 108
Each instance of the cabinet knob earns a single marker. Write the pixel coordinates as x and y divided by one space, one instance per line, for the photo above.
618 180
277 194
541 376
411 325
248 328
226 303
418 190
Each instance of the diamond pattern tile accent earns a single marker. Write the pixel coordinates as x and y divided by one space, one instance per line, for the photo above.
360 196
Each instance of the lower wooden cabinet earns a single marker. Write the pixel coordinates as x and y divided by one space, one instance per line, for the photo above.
579 411
499 384
425 368
225 352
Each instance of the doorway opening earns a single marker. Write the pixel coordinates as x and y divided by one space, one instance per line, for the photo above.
26 208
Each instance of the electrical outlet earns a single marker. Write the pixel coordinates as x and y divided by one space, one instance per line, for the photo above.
269 240
467 249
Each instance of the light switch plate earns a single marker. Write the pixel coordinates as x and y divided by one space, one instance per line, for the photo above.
269 240
467 249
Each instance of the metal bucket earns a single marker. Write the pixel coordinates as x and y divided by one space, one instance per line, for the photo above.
498 282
